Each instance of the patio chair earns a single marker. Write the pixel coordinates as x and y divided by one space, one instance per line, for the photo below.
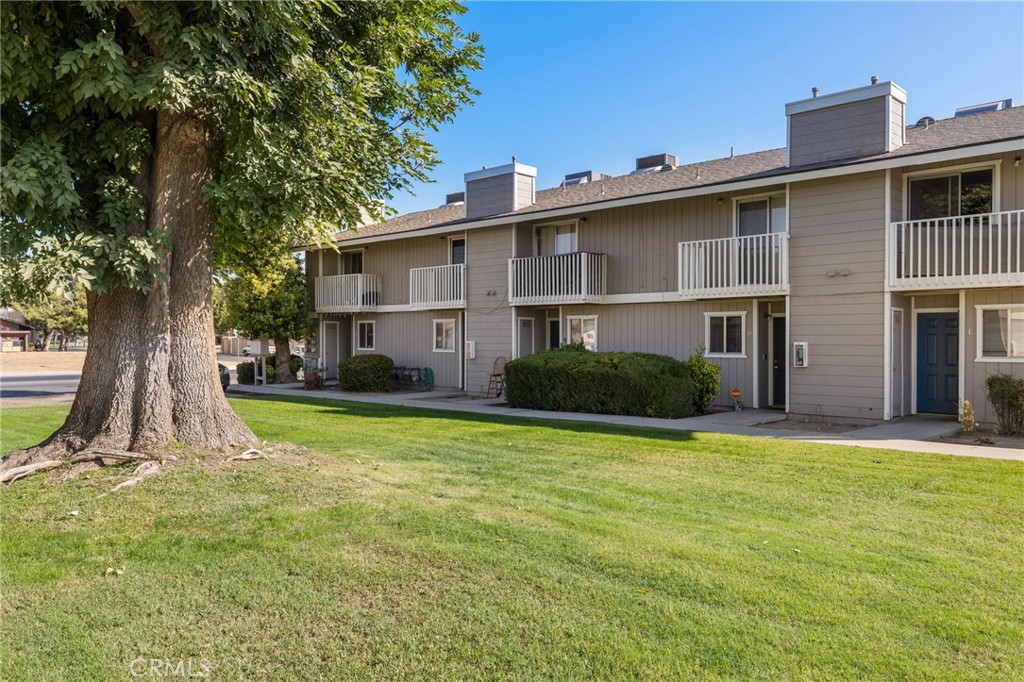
497 380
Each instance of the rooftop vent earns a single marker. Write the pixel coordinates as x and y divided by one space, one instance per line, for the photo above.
924 122
998 105
454 198
656 162
583 177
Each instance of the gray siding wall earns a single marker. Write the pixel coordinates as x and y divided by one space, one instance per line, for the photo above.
488 316
312 272
897 124
842 132
976 372
392 260
674 329
642 242
490 196
408 339
838 224
524 190
1011 180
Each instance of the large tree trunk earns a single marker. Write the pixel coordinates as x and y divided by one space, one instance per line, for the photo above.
150 375
283 361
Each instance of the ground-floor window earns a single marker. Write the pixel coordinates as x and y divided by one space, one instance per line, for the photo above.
1001 333
365 334
725 333
583 329
444 336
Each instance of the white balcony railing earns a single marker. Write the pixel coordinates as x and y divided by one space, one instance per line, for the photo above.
735 266
347 293
552 280
441 286
960 251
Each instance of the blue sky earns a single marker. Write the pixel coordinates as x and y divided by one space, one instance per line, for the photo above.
572 86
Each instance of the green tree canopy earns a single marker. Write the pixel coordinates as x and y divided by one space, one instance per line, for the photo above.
145 144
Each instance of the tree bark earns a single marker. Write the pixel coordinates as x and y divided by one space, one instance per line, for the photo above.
150 375
47 338
63 341
283 361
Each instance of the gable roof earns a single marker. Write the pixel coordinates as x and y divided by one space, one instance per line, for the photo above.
715 174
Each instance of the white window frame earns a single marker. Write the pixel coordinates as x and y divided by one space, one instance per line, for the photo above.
359 335
465 247
996 166
980 330
766 196
581 318
575 224
742 314
455 335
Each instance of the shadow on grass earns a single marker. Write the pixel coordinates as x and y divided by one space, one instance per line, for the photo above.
379 411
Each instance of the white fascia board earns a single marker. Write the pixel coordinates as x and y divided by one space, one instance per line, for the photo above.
519 168
886 89
1001 147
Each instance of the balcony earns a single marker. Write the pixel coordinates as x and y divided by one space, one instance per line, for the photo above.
438 287
735 266
556 280
983 250
347 293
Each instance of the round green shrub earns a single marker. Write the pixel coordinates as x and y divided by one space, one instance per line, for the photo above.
370 372
1006 394
246 372
707 381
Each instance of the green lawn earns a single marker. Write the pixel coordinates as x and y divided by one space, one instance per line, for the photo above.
419 544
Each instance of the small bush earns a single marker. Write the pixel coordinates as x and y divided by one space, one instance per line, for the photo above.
1006 394
371 372
639 384
312 378
707 381
246 372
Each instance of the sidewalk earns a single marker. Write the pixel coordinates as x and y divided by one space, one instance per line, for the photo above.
909 435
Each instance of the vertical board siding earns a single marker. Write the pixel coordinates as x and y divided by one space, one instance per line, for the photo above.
642 241
488 317
976 372
312 265
408 339
490 196
837 226
842 132
674 329
392 260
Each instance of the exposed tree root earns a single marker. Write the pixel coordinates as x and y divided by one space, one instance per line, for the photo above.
143 471
13 474
249 454
118 455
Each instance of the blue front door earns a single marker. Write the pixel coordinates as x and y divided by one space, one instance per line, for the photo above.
938 372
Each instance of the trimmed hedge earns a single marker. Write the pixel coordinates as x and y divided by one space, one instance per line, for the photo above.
1007 397
245 372
639 384
370 372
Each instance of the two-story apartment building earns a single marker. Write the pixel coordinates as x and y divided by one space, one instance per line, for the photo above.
870 269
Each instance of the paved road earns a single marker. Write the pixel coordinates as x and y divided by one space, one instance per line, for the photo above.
38 389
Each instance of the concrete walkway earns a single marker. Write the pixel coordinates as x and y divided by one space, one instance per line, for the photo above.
912 434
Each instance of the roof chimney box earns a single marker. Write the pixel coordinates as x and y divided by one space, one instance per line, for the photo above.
846 125
655 161
502 189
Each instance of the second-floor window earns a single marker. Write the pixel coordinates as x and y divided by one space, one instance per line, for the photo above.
763 215
556 239
351 262
942 196
458 251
